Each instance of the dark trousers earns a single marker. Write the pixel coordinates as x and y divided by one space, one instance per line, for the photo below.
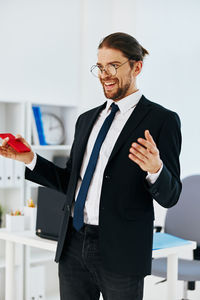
81 274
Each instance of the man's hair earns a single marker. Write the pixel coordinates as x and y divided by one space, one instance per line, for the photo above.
126 43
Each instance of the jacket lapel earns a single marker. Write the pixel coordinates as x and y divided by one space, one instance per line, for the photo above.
85 132
134 120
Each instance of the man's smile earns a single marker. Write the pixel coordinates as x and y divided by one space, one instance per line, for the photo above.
109 85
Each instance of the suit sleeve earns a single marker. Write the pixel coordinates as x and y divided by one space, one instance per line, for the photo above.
167 188
48 174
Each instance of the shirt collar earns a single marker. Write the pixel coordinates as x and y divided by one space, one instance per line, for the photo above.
126 103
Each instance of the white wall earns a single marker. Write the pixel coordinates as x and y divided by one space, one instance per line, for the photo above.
169 30
39 50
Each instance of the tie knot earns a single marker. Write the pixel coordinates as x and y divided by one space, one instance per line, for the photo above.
114 107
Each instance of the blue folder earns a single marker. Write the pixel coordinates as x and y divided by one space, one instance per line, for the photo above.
39 124
165 240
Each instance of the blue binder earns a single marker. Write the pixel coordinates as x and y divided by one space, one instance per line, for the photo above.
39 124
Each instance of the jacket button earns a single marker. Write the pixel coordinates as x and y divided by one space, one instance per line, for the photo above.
107 177
156 194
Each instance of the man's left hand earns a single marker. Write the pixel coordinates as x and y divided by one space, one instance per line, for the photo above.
146 154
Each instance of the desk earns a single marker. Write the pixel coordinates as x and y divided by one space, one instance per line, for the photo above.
172 254
28 238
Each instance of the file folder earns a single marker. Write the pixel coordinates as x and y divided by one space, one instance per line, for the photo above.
18 173
2 171
9 176
165 240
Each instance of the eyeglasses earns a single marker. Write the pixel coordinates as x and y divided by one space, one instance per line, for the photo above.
110 69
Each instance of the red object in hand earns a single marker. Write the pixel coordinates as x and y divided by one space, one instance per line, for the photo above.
15 143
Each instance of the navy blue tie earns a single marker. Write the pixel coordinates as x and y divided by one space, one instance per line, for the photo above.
78 219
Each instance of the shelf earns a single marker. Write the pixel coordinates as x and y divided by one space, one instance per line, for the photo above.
56 104
38 256
8 187
29 238
51 147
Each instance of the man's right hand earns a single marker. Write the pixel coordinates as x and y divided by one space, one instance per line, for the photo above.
8 152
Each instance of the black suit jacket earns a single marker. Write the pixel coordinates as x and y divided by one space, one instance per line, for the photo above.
126 206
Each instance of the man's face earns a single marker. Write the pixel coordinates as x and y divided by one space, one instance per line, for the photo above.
123 83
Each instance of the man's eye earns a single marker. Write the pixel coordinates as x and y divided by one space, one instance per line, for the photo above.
114 65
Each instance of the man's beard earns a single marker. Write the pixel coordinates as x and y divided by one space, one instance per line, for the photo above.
119 94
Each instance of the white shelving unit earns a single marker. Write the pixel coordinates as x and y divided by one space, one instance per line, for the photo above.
68 115
16 117
12 120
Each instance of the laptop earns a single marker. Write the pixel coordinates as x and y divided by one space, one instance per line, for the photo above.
50 208
49 213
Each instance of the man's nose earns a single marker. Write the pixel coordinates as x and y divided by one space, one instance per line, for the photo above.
104 73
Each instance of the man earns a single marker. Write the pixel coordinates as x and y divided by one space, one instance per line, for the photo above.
125 154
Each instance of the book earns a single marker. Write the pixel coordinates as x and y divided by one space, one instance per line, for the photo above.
165 240
39 124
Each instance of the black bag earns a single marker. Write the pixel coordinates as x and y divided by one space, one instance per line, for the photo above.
49 213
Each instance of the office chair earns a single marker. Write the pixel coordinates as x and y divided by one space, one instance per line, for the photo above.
183 220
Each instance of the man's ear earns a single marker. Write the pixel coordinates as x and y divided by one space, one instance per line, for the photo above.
138 67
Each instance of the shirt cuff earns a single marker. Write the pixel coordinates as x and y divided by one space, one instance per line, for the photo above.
32 164
151 178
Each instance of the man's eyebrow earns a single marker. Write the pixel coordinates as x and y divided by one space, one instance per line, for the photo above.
111 62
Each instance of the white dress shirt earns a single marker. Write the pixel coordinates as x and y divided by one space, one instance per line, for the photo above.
126 107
